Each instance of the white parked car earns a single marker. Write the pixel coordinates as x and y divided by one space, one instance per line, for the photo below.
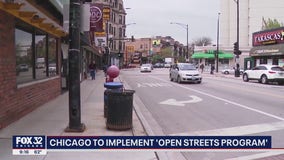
231 71
167 65
146 68
265 74
185 72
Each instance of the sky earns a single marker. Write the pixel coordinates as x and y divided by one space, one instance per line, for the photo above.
153 18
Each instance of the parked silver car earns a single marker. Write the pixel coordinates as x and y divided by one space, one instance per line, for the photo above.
185 72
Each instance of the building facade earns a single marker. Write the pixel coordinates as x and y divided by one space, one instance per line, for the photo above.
268 48
252 16
141 50
30 57
251 19
113 36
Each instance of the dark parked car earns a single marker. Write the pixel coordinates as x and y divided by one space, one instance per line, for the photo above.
23 67
158 65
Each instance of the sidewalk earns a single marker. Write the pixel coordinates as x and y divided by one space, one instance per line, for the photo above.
53 117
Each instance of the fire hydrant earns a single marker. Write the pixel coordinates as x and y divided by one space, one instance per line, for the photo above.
112 72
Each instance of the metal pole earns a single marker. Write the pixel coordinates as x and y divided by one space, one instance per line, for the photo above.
75 124
237 73
107 44
217 52
187 54
185 26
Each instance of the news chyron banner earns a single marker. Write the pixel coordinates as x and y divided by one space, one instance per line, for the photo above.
40 145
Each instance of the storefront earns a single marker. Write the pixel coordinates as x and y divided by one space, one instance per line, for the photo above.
208 58
30 57
268 47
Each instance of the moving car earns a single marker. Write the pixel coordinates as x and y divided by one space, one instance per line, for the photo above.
146 68
265 74
231 71
185 72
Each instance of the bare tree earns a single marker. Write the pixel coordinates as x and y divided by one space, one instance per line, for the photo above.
203 41
270 23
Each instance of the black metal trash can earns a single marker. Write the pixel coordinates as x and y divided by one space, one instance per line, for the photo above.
120 107
117 86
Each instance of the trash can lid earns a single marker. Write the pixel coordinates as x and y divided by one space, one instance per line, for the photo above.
113 85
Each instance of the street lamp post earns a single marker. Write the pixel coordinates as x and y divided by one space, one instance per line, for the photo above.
217 51
185 26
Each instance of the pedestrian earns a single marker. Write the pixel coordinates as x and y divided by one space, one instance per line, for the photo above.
212 69
92 70
202 67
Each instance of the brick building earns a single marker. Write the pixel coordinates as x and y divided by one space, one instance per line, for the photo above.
30 57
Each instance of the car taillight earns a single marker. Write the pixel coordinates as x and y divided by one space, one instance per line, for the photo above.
271 72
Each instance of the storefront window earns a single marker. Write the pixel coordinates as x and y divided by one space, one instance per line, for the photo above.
209 62
224 61
275 61
36 54
263 61
52 56
23 44
40 54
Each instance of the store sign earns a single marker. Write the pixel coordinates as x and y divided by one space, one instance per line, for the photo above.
100 41
275 36
106 13
96 18
266 52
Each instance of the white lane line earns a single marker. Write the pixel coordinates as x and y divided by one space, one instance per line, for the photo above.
225 100
256 156
240 130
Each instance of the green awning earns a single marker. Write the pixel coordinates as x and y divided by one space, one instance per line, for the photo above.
202 55
210 55
226 56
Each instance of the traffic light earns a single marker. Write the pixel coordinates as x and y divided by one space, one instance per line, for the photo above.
236 48
132 39
120 54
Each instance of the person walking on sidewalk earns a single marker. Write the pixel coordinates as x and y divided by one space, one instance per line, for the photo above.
202 67
92 69
212 69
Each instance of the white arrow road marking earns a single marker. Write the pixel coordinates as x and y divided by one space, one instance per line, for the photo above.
174 102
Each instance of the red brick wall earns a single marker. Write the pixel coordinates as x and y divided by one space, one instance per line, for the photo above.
17 102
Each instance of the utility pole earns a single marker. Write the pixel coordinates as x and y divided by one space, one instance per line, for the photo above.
237 52
75 124
217 51
187 54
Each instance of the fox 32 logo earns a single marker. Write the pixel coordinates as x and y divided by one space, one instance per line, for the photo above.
28 142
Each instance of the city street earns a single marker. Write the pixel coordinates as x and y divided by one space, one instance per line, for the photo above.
221 105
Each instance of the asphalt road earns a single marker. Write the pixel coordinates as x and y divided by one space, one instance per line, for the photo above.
218 106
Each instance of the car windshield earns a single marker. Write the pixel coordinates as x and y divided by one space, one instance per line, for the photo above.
187 67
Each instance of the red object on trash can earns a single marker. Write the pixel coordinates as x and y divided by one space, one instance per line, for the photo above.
112 72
